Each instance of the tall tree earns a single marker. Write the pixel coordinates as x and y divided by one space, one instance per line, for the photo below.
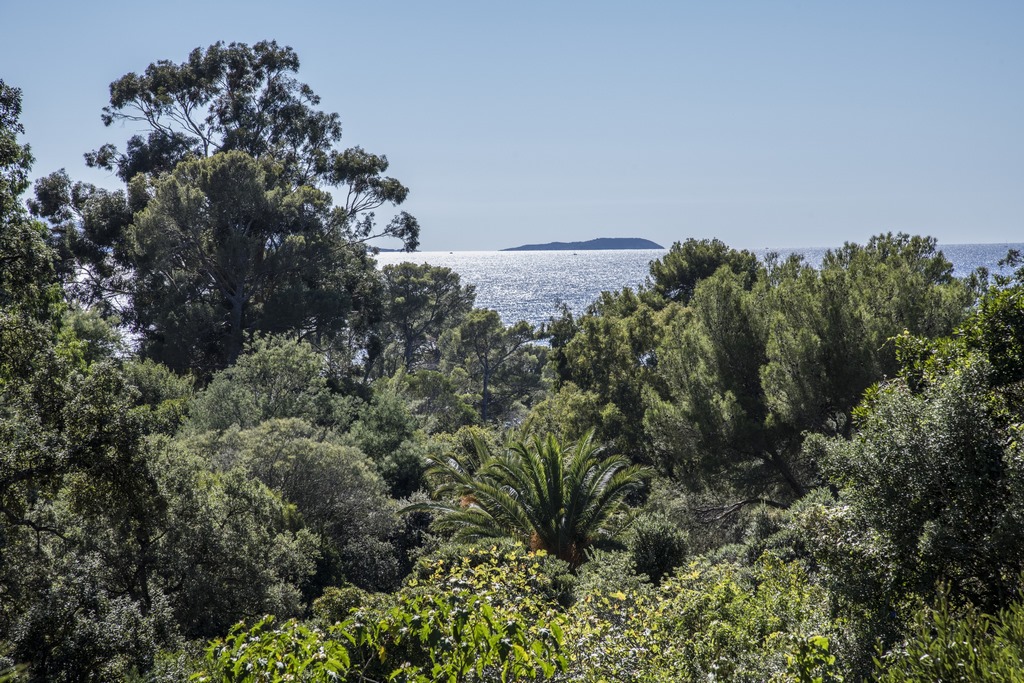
203 247
751 370
676 274
484 346
225 247
421 302
245 98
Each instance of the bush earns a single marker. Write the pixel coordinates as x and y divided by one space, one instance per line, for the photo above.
965 645
289 652
657 546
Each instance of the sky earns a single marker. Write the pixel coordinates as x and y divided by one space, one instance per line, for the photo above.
764 124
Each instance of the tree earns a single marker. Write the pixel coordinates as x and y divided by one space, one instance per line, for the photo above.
558 500
675 275
930 492
276 378
227 247
27 283
420 303
333 487
388 433
436 398
87 225
714 423
15 158
607 361
242 98
751 370
194 306
931 484
484 346
228 546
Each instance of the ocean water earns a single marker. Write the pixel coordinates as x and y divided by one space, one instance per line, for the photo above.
532 285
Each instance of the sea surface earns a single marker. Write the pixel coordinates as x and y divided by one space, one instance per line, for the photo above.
532 285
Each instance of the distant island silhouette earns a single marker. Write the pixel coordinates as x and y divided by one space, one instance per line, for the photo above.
590 245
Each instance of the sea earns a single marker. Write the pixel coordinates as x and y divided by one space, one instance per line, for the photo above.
533 285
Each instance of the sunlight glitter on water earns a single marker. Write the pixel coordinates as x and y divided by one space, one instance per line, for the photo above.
532 285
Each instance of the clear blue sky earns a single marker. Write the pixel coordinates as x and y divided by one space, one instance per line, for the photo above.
760 123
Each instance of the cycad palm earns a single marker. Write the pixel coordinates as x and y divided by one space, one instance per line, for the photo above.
554 499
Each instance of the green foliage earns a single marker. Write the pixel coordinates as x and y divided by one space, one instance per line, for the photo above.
77 625
607 637
946 644
27 276
500 363
715 418
607 572
676 274
484 618
226 247
226 227
337 602
738 380
74 493
333 487
933 482
85 222
191 111
735 627
569 413
289 652
559 501
15 158
657 545
229 546
435 397
750 371
708 622
479 620
89 337
164 397
811 662
78 504
388 433
605 364
994 330
420 303
275 378
200 107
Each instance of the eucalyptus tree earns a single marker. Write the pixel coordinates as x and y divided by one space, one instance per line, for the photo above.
245 98
238 198
560 500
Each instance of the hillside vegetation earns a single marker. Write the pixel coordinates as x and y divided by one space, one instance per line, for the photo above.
233 449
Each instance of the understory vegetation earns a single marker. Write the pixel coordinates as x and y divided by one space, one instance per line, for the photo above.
233 449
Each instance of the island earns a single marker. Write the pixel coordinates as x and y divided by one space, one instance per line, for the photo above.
590 245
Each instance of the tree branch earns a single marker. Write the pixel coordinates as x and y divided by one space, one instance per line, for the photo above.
718 513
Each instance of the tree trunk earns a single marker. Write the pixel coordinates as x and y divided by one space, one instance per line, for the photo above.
780 464
483 403
236 338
